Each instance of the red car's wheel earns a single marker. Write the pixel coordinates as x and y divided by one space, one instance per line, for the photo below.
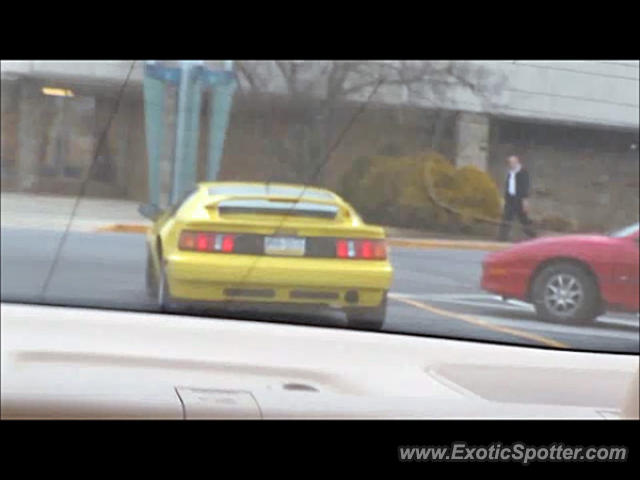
565 293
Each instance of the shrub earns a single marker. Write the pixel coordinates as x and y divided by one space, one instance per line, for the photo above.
351 178
468 190
419 191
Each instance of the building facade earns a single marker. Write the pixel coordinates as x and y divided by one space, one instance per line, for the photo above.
574 123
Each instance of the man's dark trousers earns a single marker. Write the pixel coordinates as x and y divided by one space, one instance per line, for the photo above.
512 209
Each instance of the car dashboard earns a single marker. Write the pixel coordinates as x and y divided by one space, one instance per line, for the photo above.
81 363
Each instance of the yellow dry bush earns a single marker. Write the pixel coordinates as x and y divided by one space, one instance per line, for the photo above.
421 191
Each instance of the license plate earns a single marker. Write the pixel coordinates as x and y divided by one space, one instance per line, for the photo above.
284 246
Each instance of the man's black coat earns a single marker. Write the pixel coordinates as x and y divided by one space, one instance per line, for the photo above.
523 184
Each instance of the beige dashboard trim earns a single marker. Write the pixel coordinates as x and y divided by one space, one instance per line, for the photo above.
82 363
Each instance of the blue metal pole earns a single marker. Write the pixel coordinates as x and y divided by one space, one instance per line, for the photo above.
221 99
187 126
154 107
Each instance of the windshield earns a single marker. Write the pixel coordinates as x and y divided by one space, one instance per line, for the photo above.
626 231
384 196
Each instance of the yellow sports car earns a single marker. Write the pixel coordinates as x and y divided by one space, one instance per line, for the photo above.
270 243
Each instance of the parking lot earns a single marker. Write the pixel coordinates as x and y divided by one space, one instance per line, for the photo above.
435 291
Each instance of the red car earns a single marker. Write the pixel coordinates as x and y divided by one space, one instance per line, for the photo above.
571 278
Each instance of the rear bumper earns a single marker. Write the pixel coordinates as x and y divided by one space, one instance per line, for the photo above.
247 278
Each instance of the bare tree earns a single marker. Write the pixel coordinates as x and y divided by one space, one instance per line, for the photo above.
319 91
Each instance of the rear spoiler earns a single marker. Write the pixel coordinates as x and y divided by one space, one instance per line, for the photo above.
271 198
289 199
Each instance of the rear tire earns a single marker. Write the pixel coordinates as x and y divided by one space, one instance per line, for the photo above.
158 290
367 318
150 278
164 299
565 293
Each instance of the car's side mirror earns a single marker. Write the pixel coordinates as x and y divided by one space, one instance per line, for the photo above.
150 211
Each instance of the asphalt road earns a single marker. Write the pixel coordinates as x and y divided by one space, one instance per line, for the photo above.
435 292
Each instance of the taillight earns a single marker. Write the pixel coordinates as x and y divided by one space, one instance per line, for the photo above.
187 241
361 249
203 242
366 249
206 241
342 250
227 243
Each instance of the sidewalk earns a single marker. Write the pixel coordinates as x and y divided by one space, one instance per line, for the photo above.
108 215
53 212
404 237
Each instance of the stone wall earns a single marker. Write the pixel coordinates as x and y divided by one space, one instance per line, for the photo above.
587 176
472 140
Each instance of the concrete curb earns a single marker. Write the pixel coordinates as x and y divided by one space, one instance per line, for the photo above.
124 228
429 243
426 243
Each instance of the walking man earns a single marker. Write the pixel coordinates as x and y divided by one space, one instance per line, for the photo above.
516 193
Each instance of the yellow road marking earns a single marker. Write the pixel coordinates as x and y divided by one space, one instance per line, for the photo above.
481 323
124 228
